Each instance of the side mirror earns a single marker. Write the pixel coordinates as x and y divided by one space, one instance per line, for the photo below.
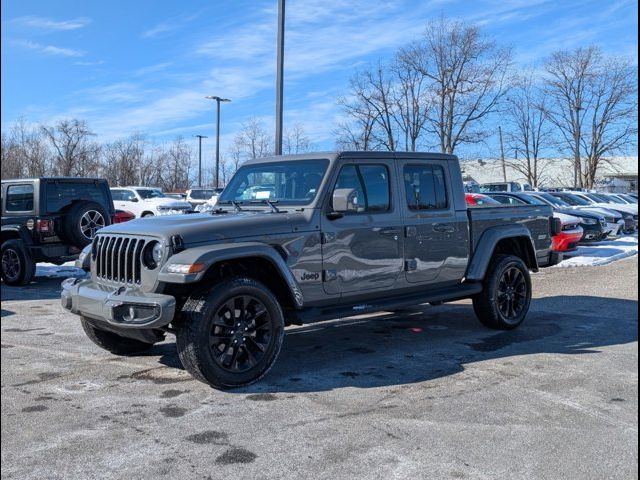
345 200
134 199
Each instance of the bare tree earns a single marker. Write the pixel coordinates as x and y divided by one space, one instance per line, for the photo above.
176 163
466 75
412 102
371 91
24 151
593 103
252 141
528 132
74 153
122 160
356 133
296 140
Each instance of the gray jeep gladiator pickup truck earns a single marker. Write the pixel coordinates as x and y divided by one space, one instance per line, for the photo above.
303 238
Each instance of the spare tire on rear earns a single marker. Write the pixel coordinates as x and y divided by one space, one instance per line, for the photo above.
82 221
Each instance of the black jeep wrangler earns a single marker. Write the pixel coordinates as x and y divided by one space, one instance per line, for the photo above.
49 220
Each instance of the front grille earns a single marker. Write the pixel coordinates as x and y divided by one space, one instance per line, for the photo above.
118 258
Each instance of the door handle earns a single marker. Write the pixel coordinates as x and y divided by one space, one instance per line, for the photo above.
389 231
443 227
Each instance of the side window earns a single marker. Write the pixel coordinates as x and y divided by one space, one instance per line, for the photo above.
19 198
116 195
425 187
371 183
128 196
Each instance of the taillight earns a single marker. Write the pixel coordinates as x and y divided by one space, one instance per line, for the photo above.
44 226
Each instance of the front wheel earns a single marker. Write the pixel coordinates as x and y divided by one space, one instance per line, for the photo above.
505 299
231 335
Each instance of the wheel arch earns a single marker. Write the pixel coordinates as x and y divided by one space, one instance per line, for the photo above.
510 240
253 260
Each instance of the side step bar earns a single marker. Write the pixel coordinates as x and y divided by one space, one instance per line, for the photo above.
449 294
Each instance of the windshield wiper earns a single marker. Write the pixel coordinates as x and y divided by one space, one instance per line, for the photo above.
271 203
235 204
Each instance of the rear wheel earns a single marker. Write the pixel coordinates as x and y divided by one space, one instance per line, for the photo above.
18 268
506 296
231 335
112 342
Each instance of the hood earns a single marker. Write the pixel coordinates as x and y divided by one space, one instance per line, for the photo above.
618 207
605 212
167 202
566 219
581 212
196 228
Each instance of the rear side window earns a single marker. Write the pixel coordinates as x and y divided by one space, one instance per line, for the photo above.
19 198
425 187
117 195
59 195
371 183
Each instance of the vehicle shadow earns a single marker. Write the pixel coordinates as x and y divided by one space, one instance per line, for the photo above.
41 288
426 343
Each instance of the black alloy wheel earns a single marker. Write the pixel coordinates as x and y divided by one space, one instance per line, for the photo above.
240 333
512 293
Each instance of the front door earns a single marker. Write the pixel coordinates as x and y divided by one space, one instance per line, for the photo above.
436 235
362 251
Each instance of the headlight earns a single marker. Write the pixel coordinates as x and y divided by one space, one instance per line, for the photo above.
588 221
185 268
152 255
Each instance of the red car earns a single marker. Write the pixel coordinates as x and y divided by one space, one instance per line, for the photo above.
567 240
479 200
122 216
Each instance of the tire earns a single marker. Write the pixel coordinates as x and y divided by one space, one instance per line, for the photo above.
82 221
207 318
505 299
112 342
147 214
18 268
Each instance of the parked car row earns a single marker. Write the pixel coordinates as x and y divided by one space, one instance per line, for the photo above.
585 217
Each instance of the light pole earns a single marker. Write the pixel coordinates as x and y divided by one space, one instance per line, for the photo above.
279 76
218 100
200 137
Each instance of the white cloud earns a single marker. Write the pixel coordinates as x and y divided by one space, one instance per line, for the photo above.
167 26
49 49
50 25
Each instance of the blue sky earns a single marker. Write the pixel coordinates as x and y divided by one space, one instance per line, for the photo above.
145 66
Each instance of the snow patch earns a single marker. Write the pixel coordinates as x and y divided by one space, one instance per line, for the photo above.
601 253
66 270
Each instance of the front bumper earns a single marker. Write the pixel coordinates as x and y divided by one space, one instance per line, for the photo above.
124 307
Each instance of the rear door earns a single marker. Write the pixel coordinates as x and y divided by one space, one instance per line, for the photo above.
363 251
124 199
436 235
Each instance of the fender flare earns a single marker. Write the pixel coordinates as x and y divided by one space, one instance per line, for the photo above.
486 246
16 231
209 255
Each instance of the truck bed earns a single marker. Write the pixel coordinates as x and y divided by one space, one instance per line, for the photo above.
535 217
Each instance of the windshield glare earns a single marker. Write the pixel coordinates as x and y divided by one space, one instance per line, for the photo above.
293 182
558 202
575 200
150 193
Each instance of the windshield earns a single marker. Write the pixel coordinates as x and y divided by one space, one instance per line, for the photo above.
494 187
147 193
531 199
574 200
609 199
293 182
202 194
558 202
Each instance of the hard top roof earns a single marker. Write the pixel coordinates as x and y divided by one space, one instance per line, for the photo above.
356 155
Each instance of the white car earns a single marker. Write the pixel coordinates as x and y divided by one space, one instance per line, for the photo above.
200 196
147 202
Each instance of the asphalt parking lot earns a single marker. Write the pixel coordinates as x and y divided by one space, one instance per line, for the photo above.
424 393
